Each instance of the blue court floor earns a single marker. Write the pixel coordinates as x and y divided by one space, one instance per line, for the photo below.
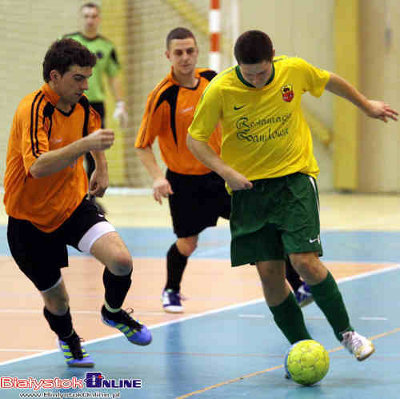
237 352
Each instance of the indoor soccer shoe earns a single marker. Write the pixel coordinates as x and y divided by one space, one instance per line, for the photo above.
171 301
74 354
303 295
134 331
358 345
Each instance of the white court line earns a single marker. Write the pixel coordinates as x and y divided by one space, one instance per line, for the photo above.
210 312
94 312
22 350
373 318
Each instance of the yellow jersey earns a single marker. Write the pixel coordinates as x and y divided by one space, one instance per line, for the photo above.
264 132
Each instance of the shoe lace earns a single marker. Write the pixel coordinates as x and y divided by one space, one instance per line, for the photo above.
74 344
357 342
354 341
177 294
127 319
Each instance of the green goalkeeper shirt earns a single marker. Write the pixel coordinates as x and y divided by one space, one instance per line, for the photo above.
107 63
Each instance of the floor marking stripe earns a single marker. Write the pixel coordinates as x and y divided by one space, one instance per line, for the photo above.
210 312
230 381
200 391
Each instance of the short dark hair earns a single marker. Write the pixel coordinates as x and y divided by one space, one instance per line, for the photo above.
253 47
179 33
64 53
90 5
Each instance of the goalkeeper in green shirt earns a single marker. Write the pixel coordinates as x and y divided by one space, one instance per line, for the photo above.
107 64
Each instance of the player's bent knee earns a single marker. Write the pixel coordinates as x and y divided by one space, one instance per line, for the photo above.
306 261
121 264
187 246
56 298
191 248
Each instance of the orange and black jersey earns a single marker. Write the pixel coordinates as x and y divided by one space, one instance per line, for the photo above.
169 112
38 127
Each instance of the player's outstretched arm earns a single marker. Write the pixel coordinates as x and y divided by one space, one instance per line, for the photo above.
161 186
374 109
205 154
53 161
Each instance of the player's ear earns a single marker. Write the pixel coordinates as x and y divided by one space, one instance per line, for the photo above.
167 54
55 75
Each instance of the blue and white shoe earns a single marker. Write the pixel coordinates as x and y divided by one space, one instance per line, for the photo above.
171 301
304 295
74 354
135 332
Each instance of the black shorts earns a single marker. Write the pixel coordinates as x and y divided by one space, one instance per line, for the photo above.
40 255
197 203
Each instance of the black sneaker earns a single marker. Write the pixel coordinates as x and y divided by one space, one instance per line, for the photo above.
134 331
74 354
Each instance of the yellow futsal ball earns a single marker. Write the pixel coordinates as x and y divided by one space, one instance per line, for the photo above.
307 362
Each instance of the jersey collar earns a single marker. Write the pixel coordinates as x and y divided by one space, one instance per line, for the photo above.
245 82
50 94
175 82
88 39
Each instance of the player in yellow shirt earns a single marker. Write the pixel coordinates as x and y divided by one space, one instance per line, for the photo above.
197 196
268 164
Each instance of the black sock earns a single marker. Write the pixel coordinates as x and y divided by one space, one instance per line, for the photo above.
292 276
176 263
61 325
116 288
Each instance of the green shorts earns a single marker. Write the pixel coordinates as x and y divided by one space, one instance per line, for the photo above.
277 217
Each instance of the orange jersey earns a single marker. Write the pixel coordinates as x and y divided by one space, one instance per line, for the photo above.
168 115
39 127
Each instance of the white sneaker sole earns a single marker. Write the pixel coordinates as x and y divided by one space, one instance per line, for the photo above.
367 355
173 309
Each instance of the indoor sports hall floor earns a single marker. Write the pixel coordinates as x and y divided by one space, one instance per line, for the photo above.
225 345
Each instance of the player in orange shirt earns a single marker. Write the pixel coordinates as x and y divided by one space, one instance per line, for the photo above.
45 187
197 196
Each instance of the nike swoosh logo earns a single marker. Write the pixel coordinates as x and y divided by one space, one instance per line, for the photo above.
237 108
315 239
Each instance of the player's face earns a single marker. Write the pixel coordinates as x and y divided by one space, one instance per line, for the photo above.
183 54
257 74
90 19
72 84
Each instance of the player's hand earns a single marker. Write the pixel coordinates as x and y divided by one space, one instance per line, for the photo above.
381 110
98 183
99 140
120 114
161 188
237 181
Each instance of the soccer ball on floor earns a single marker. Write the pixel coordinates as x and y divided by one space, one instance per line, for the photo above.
307 362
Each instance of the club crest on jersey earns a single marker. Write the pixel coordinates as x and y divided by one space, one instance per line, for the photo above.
287 93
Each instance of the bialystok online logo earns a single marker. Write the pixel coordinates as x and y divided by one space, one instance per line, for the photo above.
92 380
